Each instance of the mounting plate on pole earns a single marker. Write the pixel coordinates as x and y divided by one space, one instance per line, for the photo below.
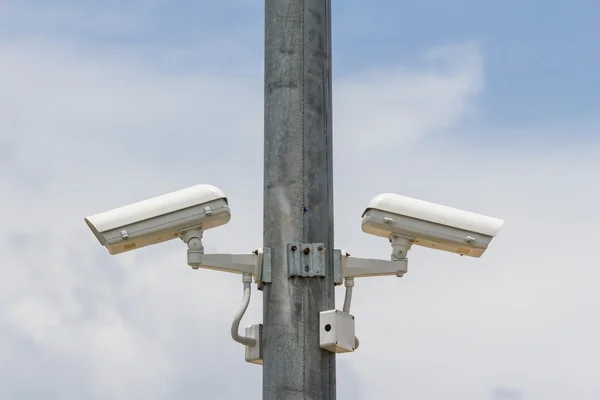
306 259
263 273
338 275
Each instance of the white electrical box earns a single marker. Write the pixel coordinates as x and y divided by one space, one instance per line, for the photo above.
254 353
337 331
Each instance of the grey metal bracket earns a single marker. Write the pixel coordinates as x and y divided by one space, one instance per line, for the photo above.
263 275
306 259
338 276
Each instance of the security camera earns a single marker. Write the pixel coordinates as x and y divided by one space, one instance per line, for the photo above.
406 221
182 214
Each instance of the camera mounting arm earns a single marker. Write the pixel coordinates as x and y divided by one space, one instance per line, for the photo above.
354 267
250 264
400 247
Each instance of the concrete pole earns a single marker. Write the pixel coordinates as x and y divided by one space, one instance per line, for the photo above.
298 196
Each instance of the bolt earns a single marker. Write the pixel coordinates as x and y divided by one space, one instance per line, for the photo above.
307 268
294 248
306 250
255 252
320 247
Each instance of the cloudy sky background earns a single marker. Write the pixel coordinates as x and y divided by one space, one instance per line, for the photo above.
487 107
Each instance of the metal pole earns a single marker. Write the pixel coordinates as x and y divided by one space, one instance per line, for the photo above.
298 196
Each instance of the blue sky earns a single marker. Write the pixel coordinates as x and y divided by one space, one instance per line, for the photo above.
539 62
485 106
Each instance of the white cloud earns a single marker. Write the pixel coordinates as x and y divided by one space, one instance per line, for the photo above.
82 132
393 106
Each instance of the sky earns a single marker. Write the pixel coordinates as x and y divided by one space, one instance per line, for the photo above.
484 106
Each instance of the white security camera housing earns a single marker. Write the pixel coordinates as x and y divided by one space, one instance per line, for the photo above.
160 218
431 225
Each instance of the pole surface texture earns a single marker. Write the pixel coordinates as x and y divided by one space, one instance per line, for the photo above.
298 196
